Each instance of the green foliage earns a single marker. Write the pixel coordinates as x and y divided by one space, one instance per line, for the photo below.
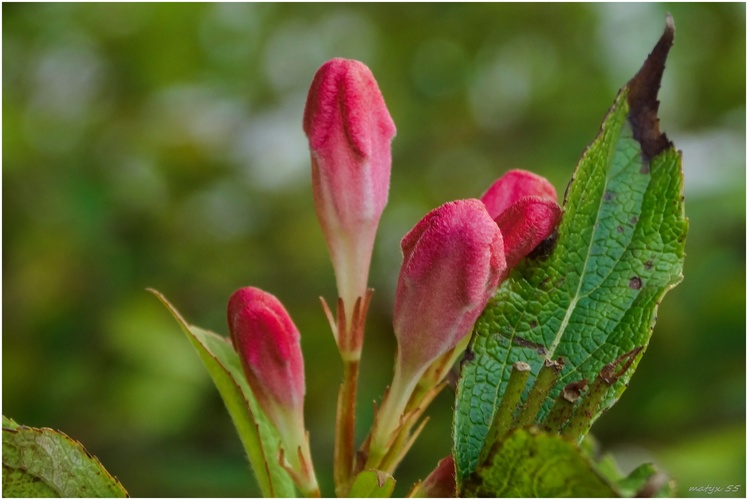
620 248
160 145
47 463
535 464
530 463
646 481
258 436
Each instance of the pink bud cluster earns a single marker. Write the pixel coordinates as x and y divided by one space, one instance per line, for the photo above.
456 256
453 261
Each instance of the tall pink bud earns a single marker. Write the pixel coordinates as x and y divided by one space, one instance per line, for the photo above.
523 204
267 342
452 261
349 131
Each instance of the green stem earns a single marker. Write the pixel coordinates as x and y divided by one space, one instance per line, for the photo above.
502 419
296 450
389 416
581 420
350 337
544 383
563 407
345 428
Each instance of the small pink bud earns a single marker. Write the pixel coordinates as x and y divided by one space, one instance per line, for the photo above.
452 261
523 204
268 345
512 186
441 482
267 342
525 224
349 131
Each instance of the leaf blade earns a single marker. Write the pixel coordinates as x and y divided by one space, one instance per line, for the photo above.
620 248
41 462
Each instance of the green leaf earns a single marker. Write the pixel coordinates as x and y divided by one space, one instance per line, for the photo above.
259 437
47 463
9 423
530 463
372 484
619 249
646 481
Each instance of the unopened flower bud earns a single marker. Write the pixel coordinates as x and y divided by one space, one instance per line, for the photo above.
523 204
350 132
267 342
525 224
440 483
452 260
514 185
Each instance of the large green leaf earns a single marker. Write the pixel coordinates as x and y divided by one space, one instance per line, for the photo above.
259 437
594 296
47 463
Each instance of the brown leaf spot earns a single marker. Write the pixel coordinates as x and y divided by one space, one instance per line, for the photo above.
635 283
521 342
469 355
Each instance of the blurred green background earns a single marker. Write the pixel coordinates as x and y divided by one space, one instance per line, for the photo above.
160 145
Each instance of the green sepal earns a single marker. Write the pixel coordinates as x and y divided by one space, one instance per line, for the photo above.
372 484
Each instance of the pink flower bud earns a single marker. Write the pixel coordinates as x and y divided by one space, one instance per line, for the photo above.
349 131
267 342
452 261
525 224
512 186
441 482
523 204
268 345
